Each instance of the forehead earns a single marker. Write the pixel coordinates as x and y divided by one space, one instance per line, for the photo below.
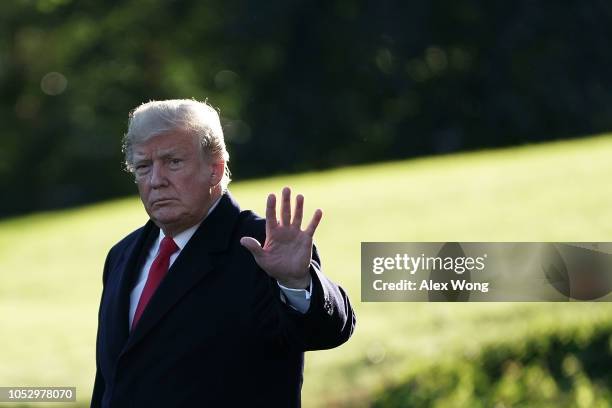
176 141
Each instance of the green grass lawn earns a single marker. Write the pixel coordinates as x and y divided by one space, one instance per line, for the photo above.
50 263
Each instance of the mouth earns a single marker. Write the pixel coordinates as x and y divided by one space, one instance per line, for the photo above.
162 201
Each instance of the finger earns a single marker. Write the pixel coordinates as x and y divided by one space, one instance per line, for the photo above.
252 245
286 206
271 221
314 223
299 210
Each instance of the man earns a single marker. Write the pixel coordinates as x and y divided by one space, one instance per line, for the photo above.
195 311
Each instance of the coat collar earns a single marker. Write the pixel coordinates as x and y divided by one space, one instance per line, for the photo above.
193 263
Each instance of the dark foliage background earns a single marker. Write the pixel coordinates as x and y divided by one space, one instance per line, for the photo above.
300 84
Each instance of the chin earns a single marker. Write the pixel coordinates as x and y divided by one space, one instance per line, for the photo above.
164 217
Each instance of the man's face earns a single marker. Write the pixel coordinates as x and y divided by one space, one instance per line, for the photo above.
174 180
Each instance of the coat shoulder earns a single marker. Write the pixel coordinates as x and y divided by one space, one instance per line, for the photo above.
251 223
126 241
121 247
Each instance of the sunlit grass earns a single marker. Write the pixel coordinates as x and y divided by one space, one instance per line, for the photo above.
50 263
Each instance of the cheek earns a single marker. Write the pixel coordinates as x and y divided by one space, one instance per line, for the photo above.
195 185
143 192
196 194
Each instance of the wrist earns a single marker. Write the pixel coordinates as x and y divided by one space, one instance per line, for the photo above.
302 283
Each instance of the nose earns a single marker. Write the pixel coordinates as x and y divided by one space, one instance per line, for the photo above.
158 176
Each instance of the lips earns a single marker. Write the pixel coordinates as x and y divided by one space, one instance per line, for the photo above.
161 201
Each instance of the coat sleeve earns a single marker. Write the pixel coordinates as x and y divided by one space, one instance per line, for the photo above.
98 389
99 384
329 321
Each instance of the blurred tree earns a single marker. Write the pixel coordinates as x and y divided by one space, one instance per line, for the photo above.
299 84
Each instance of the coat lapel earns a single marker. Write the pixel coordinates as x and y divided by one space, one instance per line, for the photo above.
128 267
192 264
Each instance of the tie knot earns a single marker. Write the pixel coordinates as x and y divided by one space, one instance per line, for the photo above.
168 246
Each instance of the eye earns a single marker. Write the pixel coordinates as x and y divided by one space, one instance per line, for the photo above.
175 163
141 168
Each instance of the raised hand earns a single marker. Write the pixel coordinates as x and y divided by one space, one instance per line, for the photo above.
286 253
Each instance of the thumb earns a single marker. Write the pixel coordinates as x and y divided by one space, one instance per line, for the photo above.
252 245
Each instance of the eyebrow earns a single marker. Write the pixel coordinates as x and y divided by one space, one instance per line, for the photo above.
164 155
171 153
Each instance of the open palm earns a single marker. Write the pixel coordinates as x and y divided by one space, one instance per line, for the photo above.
286 253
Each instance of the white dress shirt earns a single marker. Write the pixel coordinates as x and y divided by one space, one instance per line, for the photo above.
299 299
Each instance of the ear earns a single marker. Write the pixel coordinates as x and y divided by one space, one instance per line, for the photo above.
217 171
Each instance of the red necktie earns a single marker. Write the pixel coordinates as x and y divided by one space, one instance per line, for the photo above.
158 270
